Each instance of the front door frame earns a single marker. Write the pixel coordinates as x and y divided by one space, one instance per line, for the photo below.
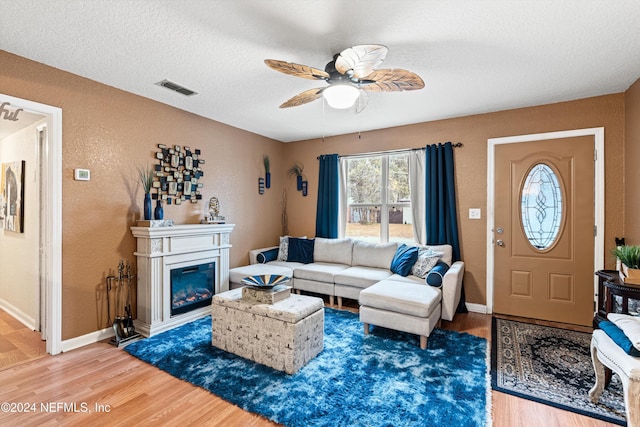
598 250
51 230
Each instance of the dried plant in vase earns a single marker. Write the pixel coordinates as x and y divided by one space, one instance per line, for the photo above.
146 177
296 170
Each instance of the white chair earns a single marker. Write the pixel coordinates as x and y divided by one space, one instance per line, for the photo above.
605 352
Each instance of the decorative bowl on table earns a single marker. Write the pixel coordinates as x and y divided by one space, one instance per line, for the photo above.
265 281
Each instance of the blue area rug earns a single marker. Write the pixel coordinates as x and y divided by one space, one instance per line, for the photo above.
382 379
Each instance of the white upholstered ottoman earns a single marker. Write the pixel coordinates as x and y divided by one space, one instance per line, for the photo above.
285 335
605 352
409 307
237 274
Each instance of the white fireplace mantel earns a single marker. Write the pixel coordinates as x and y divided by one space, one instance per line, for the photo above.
161 249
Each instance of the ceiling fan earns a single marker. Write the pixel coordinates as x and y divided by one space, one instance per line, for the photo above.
350 76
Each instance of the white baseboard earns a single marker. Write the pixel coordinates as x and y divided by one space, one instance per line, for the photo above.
81 341
476 308
18 314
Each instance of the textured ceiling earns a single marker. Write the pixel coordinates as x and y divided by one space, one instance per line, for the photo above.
474 56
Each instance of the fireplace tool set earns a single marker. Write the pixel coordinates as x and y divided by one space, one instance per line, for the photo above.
120 285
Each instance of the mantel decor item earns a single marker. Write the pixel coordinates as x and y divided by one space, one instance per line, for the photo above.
267 171
296 170
158 213
213 216
146 177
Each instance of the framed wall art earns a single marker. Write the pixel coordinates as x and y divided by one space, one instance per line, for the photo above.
12 185
177 175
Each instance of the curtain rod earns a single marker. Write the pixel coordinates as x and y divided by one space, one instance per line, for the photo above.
404 150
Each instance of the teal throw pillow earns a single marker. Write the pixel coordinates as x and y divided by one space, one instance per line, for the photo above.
618 336
300 250
266 256
404 259
436 274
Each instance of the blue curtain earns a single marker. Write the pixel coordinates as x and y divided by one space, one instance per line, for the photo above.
328 197
441 212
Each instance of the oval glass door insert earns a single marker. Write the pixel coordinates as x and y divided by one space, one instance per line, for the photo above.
541 206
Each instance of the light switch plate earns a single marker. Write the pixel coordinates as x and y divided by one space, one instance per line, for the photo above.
474 213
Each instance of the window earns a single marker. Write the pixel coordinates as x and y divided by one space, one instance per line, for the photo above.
378 198
541 206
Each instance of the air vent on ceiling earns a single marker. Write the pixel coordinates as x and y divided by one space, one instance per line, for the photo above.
176 87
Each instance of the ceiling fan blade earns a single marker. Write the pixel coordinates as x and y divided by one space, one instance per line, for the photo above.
303 98
391 80
362 101
360 60
297 70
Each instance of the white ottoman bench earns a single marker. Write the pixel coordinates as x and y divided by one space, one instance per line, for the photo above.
408 307
237 274
285 335
605 352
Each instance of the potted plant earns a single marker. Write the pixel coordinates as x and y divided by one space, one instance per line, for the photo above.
629 256
146 177
296 170
267 171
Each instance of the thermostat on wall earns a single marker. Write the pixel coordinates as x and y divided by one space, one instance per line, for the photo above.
82 174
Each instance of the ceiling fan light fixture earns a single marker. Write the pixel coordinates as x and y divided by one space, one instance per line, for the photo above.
341 96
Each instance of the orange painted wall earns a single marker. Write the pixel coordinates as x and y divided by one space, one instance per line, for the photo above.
471 166
631 198
110 132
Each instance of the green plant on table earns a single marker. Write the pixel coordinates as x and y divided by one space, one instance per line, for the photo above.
629 255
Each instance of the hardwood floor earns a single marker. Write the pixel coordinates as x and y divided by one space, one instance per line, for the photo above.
18 343
110 387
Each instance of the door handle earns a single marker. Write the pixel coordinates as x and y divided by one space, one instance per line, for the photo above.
499 242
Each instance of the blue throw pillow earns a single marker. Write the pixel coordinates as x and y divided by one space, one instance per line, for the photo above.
436 274
404 259
619 337
300 250
266 256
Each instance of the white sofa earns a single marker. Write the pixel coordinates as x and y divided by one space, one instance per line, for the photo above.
342 268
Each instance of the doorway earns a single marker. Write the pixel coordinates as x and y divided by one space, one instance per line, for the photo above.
49 139
545 208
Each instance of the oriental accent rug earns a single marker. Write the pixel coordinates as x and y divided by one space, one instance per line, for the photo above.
381 379
551 366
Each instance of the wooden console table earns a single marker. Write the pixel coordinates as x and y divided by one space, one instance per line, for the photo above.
610 286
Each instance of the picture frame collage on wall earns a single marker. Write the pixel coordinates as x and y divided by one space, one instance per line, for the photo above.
178 174
12 196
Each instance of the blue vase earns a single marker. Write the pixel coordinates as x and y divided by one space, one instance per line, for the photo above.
147 206
299 182
158 213
267 180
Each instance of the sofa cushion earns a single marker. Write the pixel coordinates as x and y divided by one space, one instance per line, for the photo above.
283 250
300 250
291 265
404 259
376 255
361 277
447 252
238 273
333 251
427 259
435 276
319 271
268 255
401 297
